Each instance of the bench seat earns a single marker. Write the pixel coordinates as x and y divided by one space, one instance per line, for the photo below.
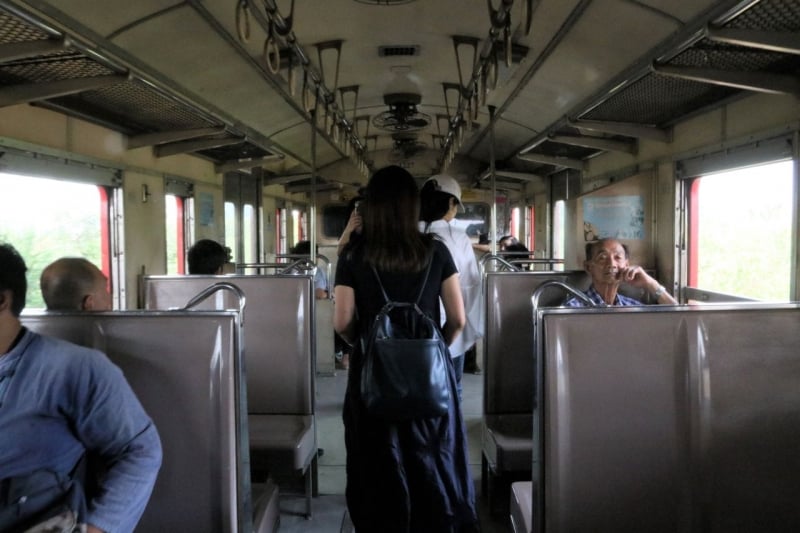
266 507
508 442
282 443
521 510
287 439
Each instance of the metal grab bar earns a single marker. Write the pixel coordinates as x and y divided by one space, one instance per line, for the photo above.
326 265
242 266
221 286
282 268
307 258
302 256
300 264
490 257
242 430
555 283
538 381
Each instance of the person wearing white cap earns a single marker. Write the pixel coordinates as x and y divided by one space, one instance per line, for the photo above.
440 201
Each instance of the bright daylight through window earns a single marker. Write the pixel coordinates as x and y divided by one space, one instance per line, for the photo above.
45 219
744 221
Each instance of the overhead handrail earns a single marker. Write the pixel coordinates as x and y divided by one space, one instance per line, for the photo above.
500 20
265 13
221 286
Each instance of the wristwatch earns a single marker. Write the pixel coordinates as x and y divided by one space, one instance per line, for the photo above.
659 291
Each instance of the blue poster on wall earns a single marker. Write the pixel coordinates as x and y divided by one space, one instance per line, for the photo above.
205 209
618 217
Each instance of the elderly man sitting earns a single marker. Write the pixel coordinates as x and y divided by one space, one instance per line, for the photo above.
607 261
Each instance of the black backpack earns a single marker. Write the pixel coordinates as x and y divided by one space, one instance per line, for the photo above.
405 373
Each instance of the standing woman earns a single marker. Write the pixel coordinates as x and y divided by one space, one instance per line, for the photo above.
409 476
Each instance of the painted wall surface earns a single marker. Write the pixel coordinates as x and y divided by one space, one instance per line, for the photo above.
145 238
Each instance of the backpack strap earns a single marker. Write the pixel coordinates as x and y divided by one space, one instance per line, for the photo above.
421 288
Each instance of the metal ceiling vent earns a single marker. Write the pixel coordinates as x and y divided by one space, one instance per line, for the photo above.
398 50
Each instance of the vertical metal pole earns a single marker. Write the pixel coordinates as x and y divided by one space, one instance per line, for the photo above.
493 181
794 287
312 215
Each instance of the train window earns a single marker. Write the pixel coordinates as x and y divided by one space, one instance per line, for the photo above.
559 230
250 233
179 222
176 254
531 227
515 224
293 228
243 216
740 232
299 226
475 219
334 220
70 219
230 230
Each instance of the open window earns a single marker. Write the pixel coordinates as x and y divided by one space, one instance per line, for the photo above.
59 208
179 219
739 231
243 215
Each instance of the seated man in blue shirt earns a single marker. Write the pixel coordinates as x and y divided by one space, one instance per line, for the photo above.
607 263
320 278
60 402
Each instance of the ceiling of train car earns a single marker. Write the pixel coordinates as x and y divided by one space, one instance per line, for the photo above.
410 84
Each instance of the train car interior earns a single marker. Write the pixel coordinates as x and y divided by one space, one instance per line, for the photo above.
131 130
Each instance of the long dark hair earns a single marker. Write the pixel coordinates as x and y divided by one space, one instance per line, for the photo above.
392 240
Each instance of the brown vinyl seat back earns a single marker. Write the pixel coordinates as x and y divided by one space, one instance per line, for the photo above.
279 333
185 369
670 418
508 342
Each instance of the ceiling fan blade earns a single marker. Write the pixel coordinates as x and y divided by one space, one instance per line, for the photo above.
417 123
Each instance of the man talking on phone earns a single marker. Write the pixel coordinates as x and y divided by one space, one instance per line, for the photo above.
607 262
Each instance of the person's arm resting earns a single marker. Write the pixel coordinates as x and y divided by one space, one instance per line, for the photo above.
455 318
344 312
111 423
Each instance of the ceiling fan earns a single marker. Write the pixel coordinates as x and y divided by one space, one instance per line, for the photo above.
406 146
402 114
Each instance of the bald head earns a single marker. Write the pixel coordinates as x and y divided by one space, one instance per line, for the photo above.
74 284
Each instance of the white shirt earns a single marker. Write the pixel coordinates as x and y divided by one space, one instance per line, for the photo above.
460 247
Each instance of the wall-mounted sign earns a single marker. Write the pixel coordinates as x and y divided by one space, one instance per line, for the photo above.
205 209
618 217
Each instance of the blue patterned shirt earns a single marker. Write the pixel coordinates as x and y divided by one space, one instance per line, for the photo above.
595 297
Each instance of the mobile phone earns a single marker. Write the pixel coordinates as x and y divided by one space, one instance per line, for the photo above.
358 207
